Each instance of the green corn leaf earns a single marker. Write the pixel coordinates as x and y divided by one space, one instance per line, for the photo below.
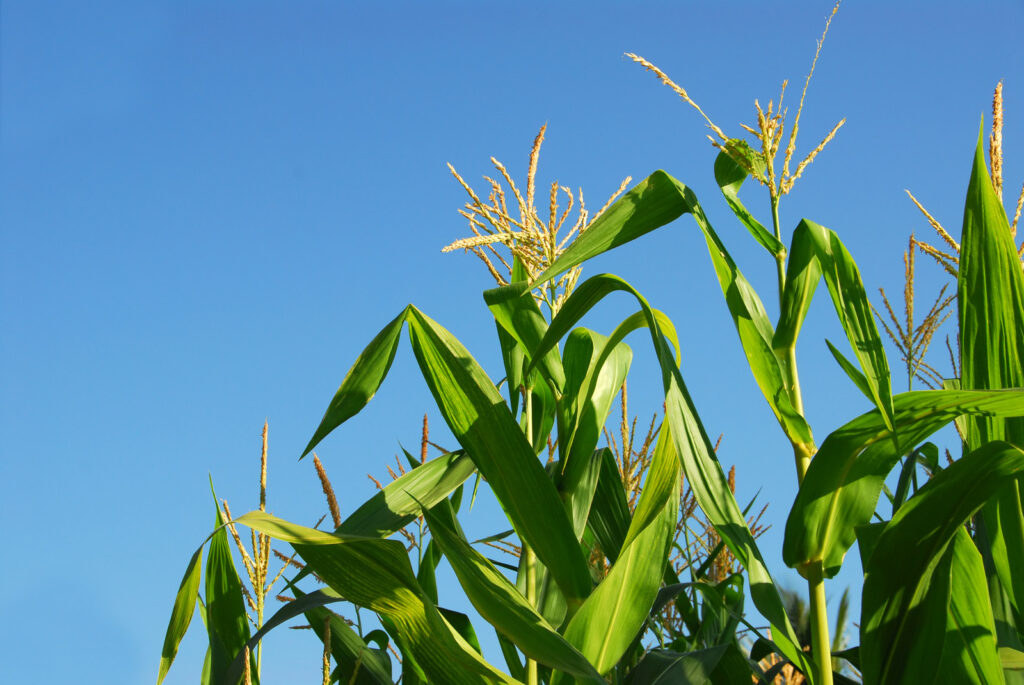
655 202
483 425
362 381
500 604
899 620
347 648
852 371
463 626
426 574
357 663
606 624
665 667
851 304
593 379
845 478
609 516
226 620
803 273
990 296
652 203
376 574
730 177
705 475
400 502
517 313
969 654
181 613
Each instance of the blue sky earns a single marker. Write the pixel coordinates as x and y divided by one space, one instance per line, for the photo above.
208 210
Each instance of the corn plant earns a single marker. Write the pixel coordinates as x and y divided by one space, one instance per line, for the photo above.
582 600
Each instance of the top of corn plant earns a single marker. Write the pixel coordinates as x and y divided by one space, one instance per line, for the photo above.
950 261
768 134
532 241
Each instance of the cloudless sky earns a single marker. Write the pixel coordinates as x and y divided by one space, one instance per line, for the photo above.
209 208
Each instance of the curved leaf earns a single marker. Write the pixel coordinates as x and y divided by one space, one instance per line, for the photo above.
851 304
845 478
517 313
401 500
362 380
181 613
730 176
896 612
500 603
484 426
969 654
704 473
658 200
376 574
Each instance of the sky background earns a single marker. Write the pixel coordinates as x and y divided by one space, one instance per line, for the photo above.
208 209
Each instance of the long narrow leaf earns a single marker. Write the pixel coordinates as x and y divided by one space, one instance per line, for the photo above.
500 603
730 177
181 613
376 574
704 473
362 381
606 624
845 478
483 425
990 296
895 616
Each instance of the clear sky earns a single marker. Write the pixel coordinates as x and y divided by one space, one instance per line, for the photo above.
208 209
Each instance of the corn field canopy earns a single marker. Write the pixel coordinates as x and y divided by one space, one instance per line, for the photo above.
209 212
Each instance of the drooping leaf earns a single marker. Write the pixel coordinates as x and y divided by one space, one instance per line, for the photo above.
898 617
483 425
658 200
845 478
730 176
346 645
181 613
362 381
399 503
703 471
500 604
851 304
376 574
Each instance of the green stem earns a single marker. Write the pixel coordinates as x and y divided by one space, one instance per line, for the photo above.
780 259
821 645
531 596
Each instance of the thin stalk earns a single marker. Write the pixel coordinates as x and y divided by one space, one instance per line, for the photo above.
528 556
821 645
531 596
780 259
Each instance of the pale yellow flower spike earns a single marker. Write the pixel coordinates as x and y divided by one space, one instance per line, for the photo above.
791 146
995 142
936 225
680 91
